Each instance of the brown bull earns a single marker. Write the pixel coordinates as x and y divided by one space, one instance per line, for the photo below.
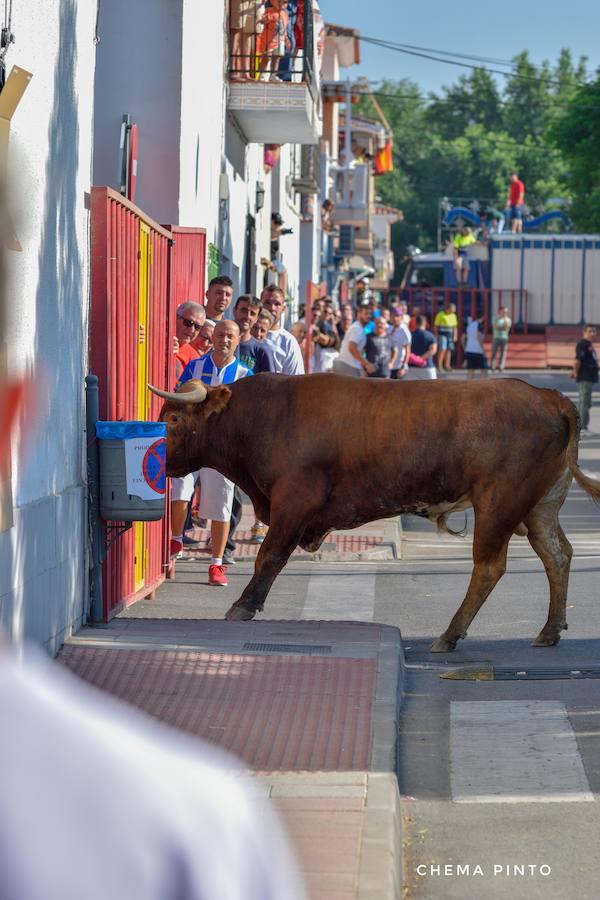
325 452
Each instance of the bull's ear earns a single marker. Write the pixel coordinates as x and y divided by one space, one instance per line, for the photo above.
216 401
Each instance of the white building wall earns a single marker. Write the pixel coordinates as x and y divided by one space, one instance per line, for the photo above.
42 557
203 94
244 168
138 71
310 242
287 202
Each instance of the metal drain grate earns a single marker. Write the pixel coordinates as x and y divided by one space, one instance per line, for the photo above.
306 649
541 674
489 673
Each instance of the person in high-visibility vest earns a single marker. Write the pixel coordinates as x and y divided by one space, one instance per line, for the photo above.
463 239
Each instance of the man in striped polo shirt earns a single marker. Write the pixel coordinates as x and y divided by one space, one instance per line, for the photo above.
216 491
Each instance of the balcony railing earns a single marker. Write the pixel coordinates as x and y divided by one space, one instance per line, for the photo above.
272 89
351 195
309 179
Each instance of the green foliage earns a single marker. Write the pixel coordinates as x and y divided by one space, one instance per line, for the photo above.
465 141
576 135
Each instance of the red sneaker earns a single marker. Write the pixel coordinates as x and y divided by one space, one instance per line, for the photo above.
176 548
216 575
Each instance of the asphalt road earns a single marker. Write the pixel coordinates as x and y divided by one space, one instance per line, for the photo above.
512 782
494 773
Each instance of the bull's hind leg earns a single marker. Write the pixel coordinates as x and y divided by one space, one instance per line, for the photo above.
296 500
551 545
490 546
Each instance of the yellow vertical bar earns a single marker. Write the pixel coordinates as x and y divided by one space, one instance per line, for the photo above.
143 399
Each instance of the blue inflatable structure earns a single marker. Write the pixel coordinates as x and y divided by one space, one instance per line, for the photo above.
467 215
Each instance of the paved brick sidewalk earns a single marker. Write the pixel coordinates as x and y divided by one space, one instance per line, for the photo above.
310 706
344 828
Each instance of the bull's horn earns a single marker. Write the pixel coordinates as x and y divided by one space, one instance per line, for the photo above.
197 394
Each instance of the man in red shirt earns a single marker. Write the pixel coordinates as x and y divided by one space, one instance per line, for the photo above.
190 319
514 202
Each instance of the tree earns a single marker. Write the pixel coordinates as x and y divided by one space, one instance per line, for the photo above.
528 99
473 100
576 134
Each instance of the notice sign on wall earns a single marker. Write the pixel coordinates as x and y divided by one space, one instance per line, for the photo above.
145 460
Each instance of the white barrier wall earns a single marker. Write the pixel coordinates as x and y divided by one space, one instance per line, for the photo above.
561 274
43 559
566 296
591 293
537 278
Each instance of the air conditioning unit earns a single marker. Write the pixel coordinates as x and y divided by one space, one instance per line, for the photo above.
309 180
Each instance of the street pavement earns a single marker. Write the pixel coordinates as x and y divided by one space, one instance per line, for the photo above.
494 774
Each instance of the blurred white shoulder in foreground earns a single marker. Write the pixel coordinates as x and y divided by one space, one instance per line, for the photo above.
99 802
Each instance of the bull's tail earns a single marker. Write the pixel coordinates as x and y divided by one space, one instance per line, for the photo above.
590 485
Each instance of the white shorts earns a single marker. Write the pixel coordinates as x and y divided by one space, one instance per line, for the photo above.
216 493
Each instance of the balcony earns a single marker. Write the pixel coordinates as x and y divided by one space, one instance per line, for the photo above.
363 242
351 195
309 179
272 91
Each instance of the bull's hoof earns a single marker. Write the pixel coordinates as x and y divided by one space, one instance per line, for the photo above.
442 645
239 614
546 640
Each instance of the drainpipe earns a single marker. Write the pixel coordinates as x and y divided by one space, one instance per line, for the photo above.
348 147
96 529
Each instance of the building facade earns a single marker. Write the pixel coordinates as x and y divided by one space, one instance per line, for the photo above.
229 136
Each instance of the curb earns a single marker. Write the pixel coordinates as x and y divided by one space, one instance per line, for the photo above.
380 873
392 532
384 551
389 694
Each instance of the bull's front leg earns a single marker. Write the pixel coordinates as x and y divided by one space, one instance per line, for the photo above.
295 501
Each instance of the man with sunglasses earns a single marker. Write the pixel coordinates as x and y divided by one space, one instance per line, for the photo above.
190 319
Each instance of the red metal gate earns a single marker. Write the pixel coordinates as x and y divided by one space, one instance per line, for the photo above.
187 264
139 273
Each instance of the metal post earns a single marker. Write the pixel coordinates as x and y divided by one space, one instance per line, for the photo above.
96 529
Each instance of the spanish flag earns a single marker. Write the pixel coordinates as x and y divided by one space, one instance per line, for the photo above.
383 159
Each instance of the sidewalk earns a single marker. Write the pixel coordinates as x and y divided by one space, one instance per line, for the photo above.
311 707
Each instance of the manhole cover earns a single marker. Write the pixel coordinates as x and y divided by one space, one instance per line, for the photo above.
307 649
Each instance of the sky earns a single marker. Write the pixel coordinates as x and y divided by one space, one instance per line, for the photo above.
497 29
